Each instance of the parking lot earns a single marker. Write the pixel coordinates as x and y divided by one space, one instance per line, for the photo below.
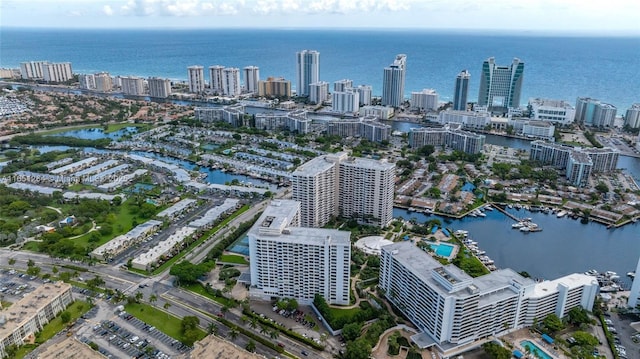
122 335
15 285
625 339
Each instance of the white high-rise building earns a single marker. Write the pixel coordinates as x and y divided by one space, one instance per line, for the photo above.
57 72
500 86
425 100
318 92
347 101
452 309
231 81
215 79
251 78
632 117
159 88
342 85
307 70
87 81
364 93
196 79
32 70
289 261
336 184
393 82
132 85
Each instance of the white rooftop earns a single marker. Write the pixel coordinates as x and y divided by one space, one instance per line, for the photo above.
372 244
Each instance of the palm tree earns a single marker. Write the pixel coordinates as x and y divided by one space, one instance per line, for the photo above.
251 346
244 319
153 298
253 323
233 333
166 307
274 334
224 310
263 329
139 296
212 328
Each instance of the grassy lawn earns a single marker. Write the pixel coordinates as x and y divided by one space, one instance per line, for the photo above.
343 313
122 224
200 289
164 322
233 258
76 309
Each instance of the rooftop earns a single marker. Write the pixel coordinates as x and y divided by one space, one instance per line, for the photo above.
574 280
213 347
70 348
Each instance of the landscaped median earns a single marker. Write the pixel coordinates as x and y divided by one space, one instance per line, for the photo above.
262 340
290 333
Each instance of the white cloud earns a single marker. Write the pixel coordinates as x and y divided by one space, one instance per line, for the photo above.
107 10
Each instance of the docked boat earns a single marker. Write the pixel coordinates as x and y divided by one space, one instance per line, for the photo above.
488 207
481 214
561 214
631 274
517 225
510 206
610 288
472 214
525 229
461 232
591 272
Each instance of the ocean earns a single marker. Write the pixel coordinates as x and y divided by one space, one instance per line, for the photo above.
564 68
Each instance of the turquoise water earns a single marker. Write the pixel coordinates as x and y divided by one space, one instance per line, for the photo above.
442 249
535 349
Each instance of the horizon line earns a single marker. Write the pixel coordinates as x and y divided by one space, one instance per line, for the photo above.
468 31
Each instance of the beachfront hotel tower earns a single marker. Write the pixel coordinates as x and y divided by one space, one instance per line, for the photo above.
461 91
339 185
290 261
196 79
500 86
393 82
307 70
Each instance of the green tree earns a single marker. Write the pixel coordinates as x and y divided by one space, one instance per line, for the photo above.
552 323
139 296
602 187
166 307
187 272
578 316
358 349
585 339
65 317
496 351
33 270
153 298
351 331
30 263
251 346
233 333
12 261
212 328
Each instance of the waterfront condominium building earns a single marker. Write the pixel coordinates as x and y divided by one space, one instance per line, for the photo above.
450 136
159 88
332 185
579 163
632 117
307 70
425 100
342 85
274 87
592 112
251 78
28 316
393 82
452 310
474 120
558 112
57 72
32 70
87 81
103 81
318 92
289 261
231 81
294 121
347 101
215 79
500 86
363 127
364 94
461 91
196 79
132 85
532 128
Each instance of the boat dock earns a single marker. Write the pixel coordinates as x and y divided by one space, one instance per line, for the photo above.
520 220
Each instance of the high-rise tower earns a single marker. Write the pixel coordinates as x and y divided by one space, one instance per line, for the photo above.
307 70
462 90
196 79
393 82
251 78
500 86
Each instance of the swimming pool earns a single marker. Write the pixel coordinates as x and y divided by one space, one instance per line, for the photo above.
442 249
535 350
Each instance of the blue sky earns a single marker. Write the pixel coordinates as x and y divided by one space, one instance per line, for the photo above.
554 16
